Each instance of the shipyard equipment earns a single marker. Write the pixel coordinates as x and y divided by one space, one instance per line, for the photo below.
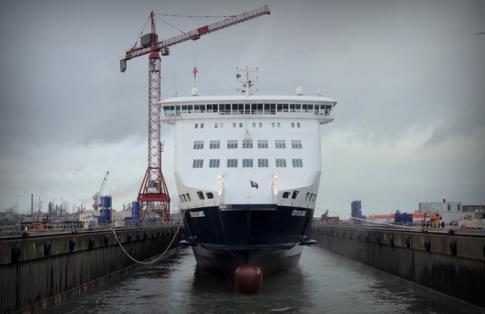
153 187
96 197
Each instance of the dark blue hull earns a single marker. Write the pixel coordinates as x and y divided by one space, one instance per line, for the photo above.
269 236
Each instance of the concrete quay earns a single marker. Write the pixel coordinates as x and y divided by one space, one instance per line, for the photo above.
453 264
44 269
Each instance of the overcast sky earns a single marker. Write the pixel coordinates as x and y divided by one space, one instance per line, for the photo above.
409 78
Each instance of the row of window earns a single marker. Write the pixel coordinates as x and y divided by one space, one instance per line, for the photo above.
309 196
185 197
247 143
247 163
316 109
241 124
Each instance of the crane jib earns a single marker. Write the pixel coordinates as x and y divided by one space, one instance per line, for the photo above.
194 34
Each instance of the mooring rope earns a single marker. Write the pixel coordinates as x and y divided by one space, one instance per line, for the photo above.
153 260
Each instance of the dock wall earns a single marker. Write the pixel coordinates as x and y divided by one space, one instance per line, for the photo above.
42 270
451 264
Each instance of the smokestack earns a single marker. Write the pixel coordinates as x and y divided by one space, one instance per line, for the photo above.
32 204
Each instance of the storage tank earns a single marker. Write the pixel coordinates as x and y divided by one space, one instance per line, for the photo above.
105 211
135 210
106 201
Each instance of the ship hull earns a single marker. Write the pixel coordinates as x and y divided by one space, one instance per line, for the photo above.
268 236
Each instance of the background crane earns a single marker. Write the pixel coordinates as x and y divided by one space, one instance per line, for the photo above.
97 195
153 187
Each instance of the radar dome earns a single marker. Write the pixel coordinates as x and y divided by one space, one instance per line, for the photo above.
299 91
195 91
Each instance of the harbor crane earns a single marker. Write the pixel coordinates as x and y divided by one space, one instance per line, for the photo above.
97 196
153 187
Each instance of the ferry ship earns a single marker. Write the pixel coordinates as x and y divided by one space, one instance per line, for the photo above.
247 171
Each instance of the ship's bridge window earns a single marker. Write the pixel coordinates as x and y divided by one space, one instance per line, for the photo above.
263 163
292 107
327 110
190 108
280 163
184 197
231 144
214 144
280 144
196 108
247 108
295 194
184 109
272 108
262 143
188 197
197 163
260 109
169 110
247 143
198 144
232 163
297 163
247 163
212 108
297 107
322 109
286 194
296 144
200 194
316 109
209 195
214 163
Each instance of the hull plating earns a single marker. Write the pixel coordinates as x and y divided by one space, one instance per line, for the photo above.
266 235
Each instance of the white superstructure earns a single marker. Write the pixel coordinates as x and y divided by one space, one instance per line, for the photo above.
247 149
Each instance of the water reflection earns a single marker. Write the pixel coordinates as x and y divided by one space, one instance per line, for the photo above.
323 283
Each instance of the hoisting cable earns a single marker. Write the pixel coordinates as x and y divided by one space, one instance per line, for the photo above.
194 61
171 25
153 260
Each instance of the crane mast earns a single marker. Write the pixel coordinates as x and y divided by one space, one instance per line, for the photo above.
153 188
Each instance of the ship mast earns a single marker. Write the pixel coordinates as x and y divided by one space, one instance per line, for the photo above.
245 79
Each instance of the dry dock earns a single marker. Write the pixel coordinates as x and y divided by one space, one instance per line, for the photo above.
41 270
447 263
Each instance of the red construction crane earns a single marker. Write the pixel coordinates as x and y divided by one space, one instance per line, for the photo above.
153 187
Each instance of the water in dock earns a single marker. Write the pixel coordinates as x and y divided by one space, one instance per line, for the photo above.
322 283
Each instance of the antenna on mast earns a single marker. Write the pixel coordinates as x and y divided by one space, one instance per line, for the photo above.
243 75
